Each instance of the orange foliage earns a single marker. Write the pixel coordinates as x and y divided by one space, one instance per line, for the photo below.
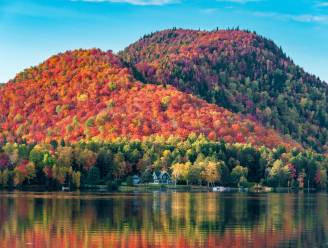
86 94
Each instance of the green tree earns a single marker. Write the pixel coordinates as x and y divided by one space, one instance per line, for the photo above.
4 177
279 173
93 176
238 174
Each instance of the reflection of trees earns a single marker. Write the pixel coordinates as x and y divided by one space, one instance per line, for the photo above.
163 220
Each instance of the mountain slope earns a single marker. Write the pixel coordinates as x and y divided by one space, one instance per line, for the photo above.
88 94
240 71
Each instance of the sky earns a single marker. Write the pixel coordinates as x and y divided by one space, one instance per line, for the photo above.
33 30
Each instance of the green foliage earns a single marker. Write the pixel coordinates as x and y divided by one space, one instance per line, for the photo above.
90 122
146 176
195 160
240 71
129 181
279 174
4 177
112 86
239 175
93 176
112 185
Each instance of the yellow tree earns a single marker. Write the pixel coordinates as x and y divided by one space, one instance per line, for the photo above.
210 173
65 156
85 158
76 178
176 172
181 171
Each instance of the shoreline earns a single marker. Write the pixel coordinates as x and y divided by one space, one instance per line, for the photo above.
144 188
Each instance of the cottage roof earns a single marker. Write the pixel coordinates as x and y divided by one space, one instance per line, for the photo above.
157 174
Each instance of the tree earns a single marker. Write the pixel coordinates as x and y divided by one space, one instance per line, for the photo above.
321 178
280 173
146 176
104 162
120 166
4 161
65 156
181 171
195 173
250 157
24 171
176 171
93 175
238 174
4 177
210 174
12 151
85 158
36 156
145 162
76 178
60 173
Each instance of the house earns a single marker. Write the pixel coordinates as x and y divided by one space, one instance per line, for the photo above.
161 177
136 180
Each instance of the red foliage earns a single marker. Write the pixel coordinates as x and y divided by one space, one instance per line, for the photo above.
22 167
292 170
48 172
238 70
87 94
4 161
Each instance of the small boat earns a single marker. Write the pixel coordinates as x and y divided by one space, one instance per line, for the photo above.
219 189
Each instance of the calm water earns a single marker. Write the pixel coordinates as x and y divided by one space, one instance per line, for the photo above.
163 220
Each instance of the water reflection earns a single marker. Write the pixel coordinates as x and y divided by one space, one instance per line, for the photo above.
163 220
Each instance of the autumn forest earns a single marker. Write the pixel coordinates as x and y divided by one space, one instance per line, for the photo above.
225 107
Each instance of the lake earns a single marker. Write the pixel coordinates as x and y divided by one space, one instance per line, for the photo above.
163 219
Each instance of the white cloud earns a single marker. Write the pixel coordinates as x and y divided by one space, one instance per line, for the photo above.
133 2
209 10
311 18
323 4
320 19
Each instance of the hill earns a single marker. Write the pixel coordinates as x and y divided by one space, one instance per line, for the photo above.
89 94
240 71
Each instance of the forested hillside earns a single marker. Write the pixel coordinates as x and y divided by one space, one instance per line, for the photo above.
89 95
88 117
240 71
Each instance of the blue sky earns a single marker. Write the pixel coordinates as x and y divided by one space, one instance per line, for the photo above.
33 30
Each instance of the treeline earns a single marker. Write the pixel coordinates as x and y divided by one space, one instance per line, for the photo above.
195 160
